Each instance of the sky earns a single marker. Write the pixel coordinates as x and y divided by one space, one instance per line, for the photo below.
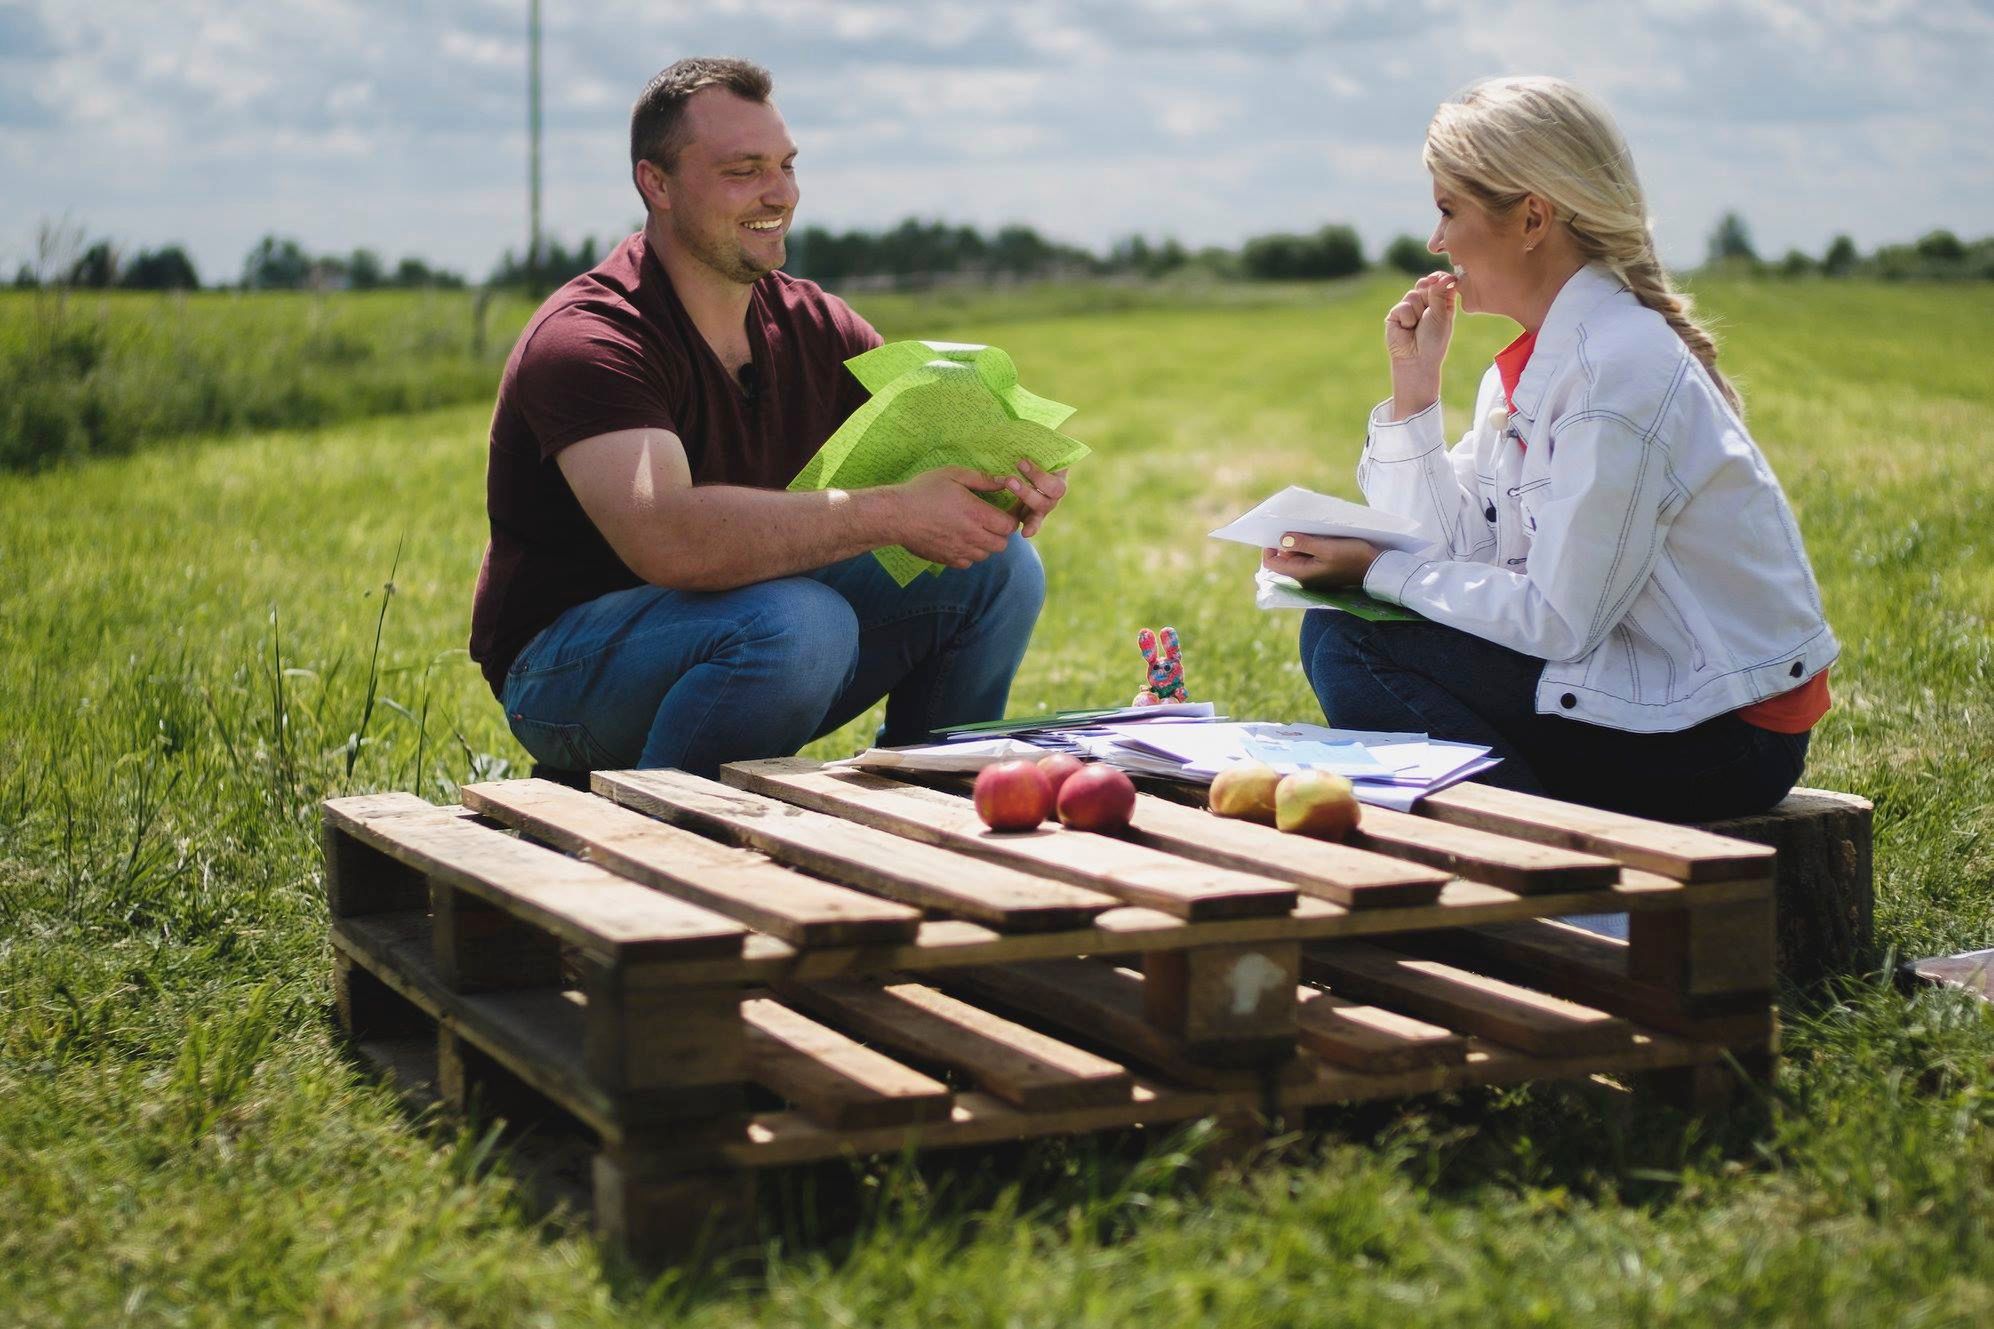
401 127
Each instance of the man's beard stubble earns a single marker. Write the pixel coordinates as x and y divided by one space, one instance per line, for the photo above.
728 257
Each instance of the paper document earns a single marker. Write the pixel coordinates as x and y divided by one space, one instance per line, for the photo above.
938 404
1271 590
1309 513
942 756
1201 710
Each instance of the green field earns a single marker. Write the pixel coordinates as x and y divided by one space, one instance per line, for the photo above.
197 644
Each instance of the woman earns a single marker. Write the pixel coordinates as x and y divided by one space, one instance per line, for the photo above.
1618 602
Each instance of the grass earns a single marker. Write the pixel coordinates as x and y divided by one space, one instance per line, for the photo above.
85 374
188 664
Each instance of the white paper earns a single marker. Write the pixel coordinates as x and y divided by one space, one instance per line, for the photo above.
942 756
1309 513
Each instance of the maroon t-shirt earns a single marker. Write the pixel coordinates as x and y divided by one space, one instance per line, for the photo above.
614 349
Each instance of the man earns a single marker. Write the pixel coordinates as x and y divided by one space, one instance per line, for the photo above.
651 595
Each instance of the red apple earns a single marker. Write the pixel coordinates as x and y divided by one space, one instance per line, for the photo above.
1058 766
1012 795
1099 798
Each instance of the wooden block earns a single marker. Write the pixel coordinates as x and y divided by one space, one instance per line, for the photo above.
737 883
1100 1004
1464 1001
1681 852
1353 878
608 917
362 880
832 1079
878 861
480 948
1018 1065
370 1009
1229 1005
1371 1038
683 1048
1116 867
1500 860
1706 950
655 1215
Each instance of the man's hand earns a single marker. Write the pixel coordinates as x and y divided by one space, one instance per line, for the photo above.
1321 561
941 519
1038 493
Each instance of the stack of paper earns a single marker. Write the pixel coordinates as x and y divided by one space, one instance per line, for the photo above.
1187 742
1306 512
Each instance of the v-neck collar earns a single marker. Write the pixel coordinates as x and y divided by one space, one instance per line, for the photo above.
1583 292
753 320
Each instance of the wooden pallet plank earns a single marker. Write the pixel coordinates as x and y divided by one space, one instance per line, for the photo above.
1019 1065
1130 872
832 1079
1353 878
575 901
874 860
1371 1038
1682 852
1101 1004
1586 967
1499 860
1468 1002
737 883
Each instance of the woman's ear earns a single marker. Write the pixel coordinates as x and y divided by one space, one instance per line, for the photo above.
1538 214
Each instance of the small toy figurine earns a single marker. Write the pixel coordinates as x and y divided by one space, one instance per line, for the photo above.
1166 669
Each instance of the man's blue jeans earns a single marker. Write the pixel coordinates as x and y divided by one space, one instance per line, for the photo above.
1426 677
651 677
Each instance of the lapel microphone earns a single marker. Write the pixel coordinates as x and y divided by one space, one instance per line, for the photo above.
750 380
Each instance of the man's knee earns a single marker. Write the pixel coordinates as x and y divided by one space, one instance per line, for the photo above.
803 637
1015 582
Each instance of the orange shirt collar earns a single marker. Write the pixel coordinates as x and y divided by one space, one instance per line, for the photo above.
1509 363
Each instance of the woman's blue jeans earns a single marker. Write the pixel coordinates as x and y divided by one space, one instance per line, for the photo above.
1425 677
651 677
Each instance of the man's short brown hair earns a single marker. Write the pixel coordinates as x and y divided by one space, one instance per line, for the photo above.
657 121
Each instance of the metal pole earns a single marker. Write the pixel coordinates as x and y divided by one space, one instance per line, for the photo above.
533 250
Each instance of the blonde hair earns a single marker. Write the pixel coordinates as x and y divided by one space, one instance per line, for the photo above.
1504 138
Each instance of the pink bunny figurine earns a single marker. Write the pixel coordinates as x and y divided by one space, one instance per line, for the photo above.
1166 669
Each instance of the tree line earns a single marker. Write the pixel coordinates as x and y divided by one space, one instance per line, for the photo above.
916 253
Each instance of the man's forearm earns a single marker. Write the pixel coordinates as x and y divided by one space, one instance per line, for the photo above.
717 537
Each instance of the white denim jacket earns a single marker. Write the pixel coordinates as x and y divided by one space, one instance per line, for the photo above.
1621 525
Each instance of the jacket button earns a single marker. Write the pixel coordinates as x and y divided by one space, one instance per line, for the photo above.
1568 701
1795 671
1489 512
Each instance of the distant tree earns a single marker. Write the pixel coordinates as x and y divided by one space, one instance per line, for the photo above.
1019 251
1731 240
1334 251
166 269
97 267
1411 256
364 271
412 272
25 279
1940 247
1795 264
276 265
1841 258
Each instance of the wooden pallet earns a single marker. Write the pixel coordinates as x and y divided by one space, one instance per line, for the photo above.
800 964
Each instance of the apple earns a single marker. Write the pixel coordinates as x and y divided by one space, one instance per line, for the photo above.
1058 766
1246 791
1316 803
1099 798
1012 795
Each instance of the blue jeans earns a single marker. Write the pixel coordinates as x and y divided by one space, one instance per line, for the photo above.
651 677
1425 677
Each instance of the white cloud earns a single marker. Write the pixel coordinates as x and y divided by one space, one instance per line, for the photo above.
401 127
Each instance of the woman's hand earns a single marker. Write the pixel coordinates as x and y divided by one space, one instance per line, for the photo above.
1417 331
1321 561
